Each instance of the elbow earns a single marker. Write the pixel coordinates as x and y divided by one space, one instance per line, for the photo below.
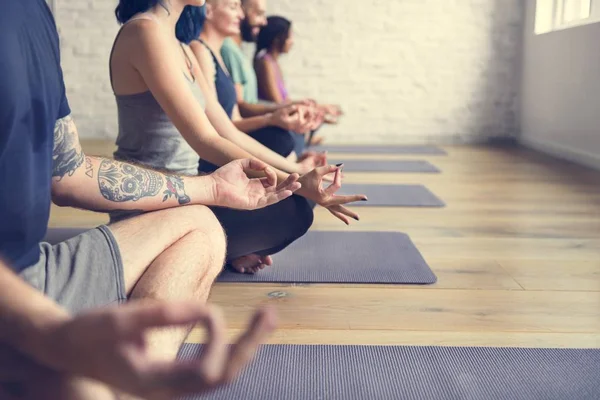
61 197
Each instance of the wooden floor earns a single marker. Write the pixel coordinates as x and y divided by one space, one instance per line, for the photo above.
516 252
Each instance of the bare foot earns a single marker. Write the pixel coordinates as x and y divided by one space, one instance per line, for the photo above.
251 264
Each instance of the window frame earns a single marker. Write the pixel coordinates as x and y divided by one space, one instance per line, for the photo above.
557 22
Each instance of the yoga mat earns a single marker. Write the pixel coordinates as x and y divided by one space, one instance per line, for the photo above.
391 195
300 372
379 149
386 166
344 257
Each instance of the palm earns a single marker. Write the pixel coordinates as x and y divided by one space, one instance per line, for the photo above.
235 190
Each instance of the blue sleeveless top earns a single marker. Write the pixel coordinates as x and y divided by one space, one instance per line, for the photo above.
224 85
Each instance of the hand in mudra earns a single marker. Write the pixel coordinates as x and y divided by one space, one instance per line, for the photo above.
234 189
312 188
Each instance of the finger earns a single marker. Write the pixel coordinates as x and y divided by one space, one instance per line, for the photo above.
277 197
346 211
290 180
253 164
267 260
326 169
214 355
271 176
337 182
340 216
339 200
262 325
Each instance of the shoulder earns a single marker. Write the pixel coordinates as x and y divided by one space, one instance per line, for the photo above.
231 51
142 32
201 52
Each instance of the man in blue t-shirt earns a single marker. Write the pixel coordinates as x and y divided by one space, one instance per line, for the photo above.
47 342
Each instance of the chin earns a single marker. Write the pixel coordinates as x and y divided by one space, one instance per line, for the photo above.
197 3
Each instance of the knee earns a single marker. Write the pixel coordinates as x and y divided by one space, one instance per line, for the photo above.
287 143
205 224
305 216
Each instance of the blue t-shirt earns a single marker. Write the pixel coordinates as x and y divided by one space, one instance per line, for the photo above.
32 98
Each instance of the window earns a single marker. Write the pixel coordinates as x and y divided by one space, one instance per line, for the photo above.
553 15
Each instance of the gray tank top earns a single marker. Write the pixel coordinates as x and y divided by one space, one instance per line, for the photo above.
147 136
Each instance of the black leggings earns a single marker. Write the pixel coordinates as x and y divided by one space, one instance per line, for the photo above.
268 230
279 140
265 231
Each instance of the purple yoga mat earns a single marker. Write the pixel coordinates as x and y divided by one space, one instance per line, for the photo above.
344 257
381 149
300 372
406 166
392 195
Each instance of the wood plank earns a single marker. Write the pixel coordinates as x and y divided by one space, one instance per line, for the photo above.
422 310
555 274
452 274
419 338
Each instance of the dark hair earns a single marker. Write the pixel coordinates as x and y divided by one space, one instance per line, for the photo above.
275 33
188 27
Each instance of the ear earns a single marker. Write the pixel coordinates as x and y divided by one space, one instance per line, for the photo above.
209 10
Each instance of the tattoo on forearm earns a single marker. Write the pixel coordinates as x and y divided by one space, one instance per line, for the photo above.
66 155
125 182
175 187
120 182
89 167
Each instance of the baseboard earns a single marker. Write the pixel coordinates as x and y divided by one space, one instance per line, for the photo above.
563 152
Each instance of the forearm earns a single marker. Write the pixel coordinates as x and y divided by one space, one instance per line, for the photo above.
105 185
252 110
265 154
25 314
252 124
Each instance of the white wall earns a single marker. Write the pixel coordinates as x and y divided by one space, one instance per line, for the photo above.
560 111
404 70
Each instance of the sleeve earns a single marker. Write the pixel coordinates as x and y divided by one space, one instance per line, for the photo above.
63 109
233 64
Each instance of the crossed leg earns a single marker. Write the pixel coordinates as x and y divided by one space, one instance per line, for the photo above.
172 254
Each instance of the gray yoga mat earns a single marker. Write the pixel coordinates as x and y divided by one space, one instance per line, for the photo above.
295 372
299 372
391 195
386 166
344 257
379 149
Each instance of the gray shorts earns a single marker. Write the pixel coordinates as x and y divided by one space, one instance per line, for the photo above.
80 273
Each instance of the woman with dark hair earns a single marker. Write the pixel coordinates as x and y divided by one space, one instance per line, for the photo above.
168 119
275 39
275 130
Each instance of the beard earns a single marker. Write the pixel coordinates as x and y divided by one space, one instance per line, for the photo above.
246 31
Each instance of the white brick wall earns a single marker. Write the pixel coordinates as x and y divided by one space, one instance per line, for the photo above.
87 30
404 70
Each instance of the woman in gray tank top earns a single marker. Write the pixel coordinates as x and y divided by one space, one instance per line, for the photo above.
168 120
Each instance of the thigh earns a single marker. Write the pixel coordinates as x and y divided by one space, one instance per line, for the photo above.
266 230
143 238
276 139
80 273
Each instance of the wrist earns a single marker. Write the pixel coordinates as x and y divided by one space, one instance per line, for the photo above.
202 190
270 119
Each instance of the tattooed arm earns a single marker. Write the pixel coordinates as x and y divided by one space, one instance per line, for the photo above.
102 184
